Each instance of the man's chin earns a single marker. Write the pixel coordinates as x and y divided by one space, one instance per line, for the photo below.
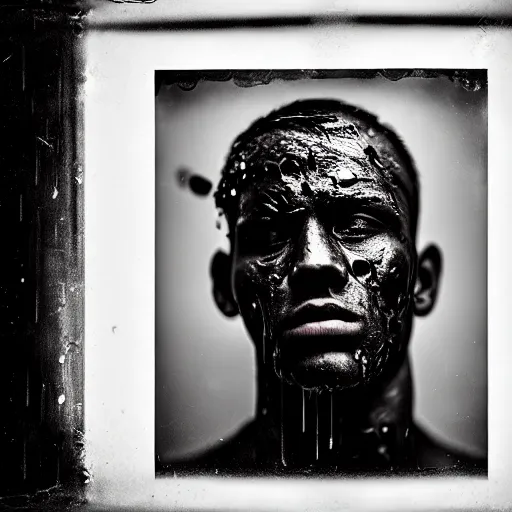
331 370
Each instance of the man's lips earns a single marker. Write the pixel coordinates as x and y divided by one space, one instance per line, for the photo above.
321 318
325 328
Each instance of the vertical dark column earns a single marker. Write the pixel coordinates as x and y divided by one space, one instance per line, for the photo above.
41 255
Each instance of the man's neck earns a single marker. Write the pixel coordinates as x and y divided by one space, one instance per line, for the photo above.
334 429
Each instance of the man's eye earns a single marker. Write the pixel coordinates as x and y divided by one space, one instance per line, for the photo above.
358 227
261 237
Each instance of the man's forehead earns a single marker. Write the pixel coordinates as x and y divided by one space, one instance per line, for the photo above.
288 195
342 155
344 151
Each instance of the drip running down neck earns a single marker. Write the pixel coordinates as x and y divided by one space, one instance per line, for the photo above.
324 429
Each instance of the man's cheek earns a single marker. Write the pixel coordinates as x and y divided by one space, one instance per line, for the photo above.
388 289
255 289
394 273
390 261
246 288
397 278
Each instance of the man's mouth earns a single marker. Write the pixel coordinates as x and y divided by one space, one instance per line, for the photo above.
325 328
323 319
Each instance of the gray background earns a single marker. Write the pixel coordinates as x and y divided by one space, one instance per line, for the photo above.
204 362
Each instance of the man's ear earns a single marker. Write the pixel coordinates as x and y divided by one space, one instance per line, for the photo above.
220 272
427 280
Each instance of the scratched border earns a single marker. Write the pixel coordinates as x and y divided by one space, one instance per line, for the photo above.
470 79
41 206
42 278
188 80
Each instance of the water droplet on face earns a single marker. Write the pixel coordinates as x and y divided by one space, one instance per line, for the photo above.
351 129
311 161
306 189
244 176
273 170
361 268
345 177
370 152
359 356
384 429
242 165
289 166
275 279
373 157
233 192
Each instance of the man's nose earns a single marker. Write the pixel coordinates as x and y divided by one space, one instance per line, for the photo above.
320 268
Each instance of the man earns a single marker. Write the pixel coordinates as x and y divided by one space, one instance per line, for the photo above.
322 204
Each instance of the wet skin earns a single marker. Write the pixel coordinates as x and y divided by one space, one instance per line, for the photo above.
323 269
321 203
324 257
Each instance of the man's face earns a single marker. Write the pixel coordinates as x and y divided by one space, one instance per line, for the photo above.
324 257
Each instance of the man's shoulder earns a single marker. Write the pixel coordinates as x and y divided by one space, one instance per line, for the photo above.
437 456
244 452
233 455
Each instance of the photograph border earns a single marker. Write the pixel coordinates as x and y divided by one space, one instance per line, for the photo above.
120 72
470 80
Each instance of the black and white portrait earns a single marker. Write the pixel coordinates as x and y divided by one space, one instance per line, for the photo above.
321 272
255 255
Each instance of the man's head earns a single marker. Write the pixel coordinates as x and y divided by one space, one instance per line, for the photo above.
322 202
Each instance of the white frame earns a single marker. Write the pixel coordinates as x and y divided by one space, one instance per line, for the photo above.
119 257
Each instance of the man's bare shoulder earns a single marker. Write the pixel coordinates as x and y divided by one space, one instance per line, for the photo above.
245 452
236 455
434 455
